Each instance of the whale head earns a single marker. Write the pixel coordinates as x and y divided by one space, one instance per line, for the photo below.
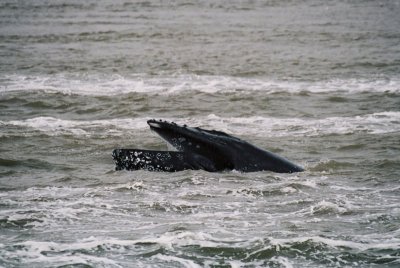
212 144
223 150
199 148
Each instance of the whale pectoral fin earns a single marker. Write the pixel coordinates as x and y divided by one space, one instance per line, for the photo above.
134 159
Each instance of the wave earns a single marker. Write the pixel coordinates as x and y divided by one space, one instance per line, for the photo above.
109 85
55 126
334 243
193 249
185 241
344 252
375 123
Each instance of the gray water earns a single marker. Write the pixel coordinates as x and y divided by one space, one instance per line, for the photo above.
317 82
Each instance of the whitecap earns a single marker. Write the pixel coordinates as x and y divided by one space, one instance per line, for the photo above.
185 262
108 85
33 252
55 126
287 242
375 123
326 207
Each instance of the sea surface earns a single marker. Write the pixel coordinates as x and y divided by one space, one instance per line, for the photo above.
315 81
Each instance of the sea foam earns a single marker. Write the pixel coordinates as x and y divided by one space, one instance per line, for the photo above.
374 123
108 85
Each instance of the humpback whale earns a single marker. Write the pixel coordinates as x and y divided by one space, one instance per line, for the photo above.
199 148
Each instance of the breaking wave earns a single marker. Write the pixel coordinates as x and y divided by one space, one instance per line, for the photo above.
375 123
109 85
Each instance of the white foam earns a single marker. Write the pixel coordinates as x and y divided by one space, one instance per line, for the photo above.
55 126
32 252
334 243
106 85
182 261
170 240
324 207
96 85
288 190
135 185
375 123
282 261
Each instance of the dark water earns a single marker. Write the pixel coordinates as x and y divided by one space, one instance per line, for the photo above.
317 82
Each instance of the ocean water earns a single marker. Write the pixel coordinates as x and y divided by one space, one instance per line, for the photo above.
315 81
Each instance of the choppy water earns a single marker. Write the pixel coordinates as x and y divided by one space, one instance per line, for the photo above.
317 82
